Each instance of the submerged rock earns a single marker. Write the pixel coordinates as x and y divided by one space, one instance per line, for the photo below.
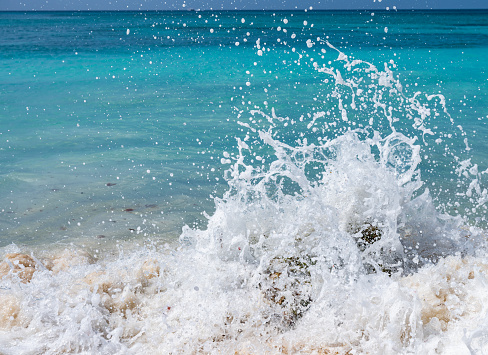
67 259
286 284
21 265
9 311
455 295
369 234
376 259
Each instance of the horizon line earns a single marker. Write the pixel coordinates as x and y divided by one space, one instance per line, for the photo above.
233 10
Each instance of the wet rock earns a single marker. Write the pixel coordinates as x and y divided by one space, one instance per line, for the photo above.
150 269
369 234
9 311
69 258
449 291
380 260
286 284
120 291
21 265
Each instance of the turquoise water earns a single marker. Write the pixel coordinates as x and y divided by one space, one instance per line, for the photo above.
243 182
94 98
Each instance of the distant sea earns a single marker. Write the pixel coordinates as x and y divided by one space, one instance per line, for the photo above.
243 181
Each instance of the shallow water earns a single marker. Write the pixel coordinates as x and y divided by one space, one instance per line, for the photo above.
250 182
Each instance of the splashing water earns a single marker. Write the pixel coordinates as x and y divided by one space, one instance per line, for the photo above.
330 239
320 232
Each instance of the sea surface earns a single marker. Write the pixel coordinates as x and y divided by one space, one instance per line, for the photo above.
244 182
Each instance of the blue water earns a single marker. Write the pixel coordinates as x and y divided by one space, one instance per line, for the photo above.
149 101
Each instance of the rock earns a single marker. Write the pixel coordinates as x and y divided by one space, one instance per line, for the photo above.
369 234
383 259
150 269
69 258
9 311
446 291
20 260
21 265
286 284
120 290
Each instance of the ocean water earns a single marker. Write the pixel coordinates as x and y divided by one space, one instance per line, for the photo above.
244 182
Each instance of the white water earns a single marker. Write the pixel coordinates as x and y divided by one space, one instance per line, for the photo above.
330 245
